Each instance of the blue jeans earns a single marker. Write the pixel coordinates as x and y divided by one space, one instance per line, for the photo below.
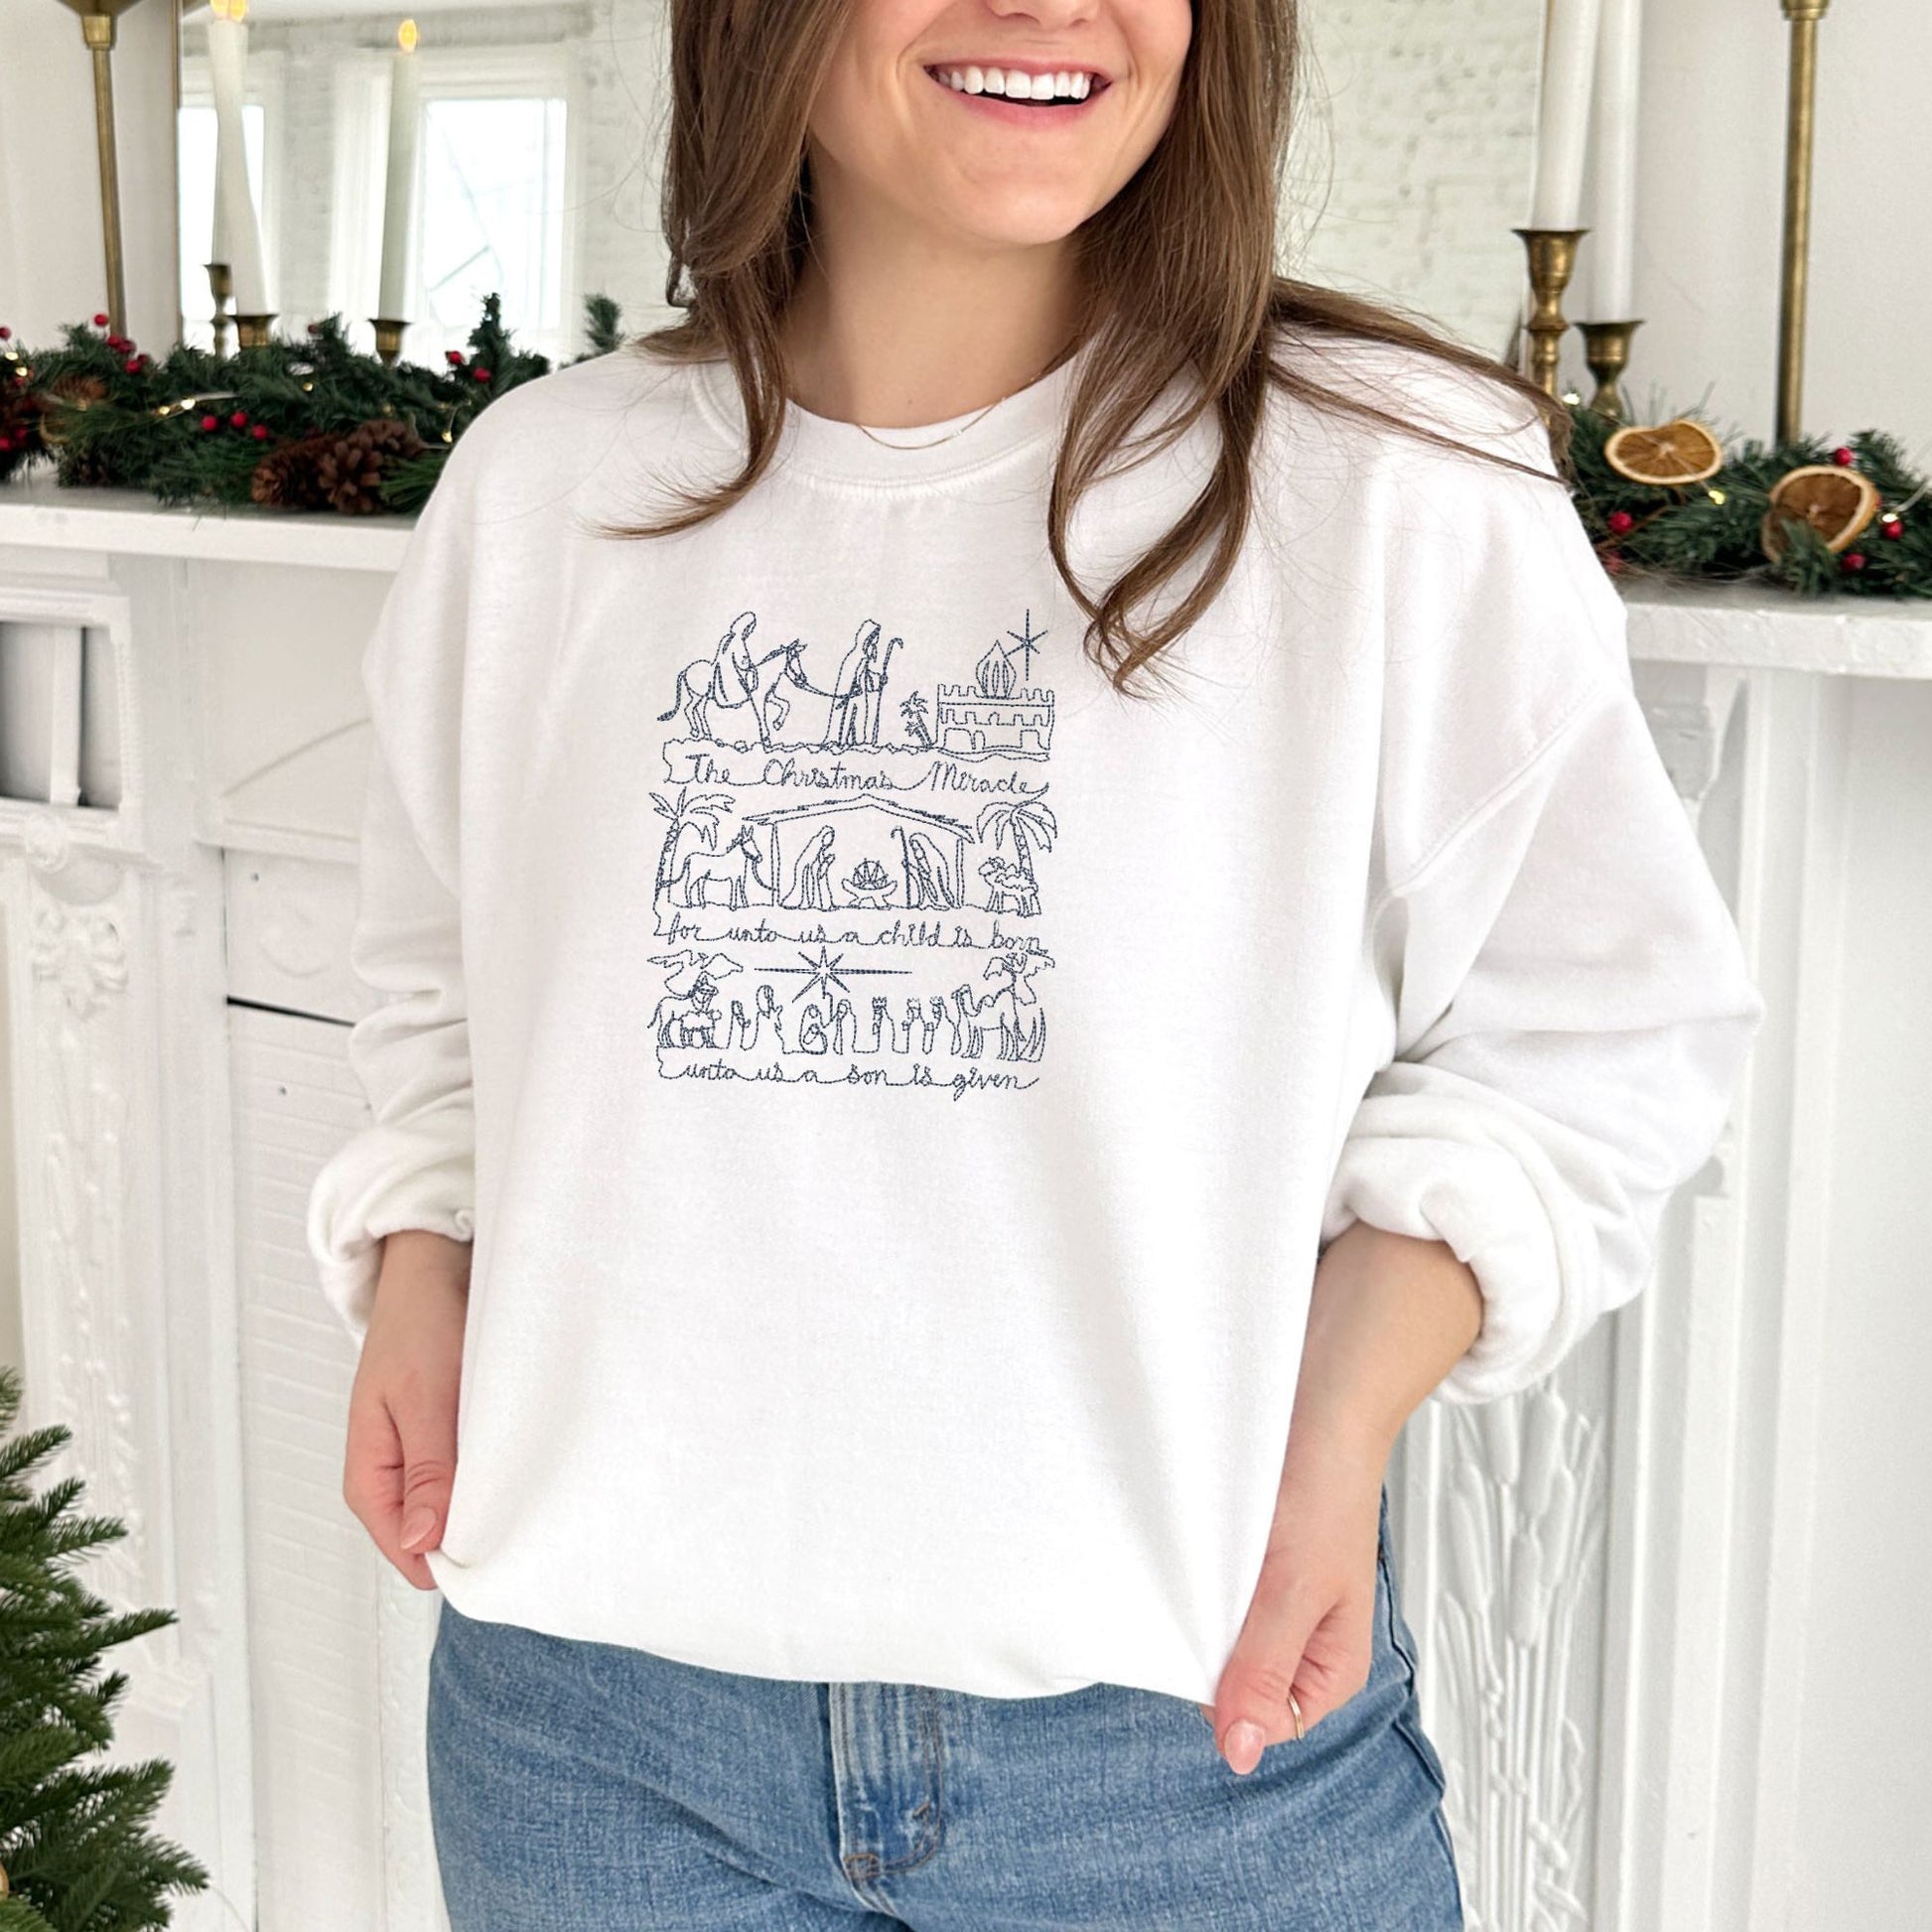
588 1787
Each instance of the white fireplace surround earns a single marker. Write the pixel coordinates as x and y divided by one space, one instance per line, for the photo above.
1670 1603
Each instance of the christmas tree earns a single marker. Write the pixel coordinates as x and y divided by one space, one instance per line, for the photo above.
76 1851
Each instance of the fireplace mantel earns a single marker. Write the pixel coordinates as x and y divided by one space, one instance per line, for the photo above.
182 725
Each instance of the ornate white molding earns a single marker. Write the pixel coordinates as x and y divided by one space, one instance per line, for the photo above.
1523 1529
125 1329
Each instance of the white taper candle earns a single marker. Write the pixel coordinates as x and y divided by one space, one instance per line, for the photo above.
1611 251
1563 112
237 234
399 195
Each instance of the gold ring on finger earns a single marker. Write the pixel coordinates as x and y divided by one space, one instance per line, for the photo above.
1295 1710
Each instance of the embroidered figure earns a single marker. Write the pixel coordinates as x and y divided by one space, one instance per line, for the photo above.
734 680
858 692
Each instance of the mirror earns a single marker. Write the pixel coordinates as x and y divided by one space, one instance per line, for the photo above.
526 140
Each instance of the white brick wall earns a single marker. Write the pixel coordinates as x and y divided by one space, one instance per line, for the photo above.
1412 154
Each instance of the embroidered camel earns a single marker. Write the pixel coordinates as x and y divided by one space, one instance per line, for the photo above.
1009 888
1023 1032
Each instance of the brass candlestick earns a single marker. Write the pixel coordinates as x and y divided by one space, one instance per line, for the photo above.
1606 349
221 284
389 336
1553 260
1801 122
98 18
251 331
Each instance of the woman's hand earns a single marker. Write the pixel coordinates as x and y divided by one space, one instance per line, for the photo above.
1309 1626
1389 1317
400 1462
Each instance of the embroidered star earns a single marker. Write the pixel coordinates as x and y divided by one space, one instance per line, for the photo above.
828 970
1027 640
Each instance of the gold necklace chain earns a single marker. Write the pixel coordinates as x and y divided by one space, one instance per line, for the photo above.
932 443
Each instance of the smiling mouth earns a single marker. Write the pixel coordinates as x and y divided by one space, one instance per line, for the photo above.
1068 88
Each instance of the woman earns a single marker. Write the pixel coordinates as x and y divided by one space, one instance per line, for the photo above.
874 1463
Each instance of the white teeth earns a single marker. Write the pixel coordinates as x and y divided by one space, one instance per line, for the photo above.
1068 84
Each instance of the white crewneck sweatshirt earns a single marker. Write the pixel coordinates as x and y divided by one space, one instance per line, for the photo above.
898 1087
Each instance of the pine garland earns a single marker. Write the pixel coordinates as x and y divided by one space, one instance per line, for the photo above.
75 1850
194 427
1714 530
315 424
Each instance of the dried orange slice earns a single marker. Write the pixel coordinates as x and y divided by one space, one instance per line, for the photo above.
1838 503
1669 456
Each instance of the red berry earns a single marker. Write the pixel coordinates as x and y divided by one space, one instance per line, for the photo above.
6 333
454 357
1621 522
1854 561
132 365
210 422
1844 457
482 375
1892 527
6 444
259 432
239 419
101 319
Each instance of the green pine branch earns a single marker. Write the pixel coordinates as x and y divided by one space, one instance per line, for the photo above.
74 1835
1714 530
191 426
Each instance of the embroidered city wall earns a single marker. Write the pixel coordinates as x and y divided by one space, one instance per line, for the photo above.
849 887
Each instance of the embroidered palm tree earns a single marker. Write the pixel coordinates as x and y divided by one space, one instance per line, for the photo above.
1022 823
688 812
913 710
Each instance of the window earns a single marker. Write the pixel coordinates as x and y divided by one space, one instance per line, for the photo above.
490 217
194 136
491 199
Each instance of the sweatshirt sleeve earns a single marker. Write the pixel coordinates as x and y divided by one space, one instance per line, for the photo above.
412 1165
1570 994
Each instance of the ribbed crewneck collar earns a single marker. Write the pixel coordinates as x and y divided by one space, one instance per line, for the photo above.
820 447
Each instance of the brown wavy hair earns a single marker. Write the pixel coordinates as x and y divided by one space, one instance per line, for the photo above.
1176 274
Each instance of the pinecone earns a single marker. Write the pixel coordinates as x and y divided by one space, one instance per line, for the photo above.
349 468
78 388
394 438
289 478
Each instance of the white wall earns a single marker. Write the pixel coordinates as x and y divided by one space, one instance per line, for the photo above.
52 264
1710 208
